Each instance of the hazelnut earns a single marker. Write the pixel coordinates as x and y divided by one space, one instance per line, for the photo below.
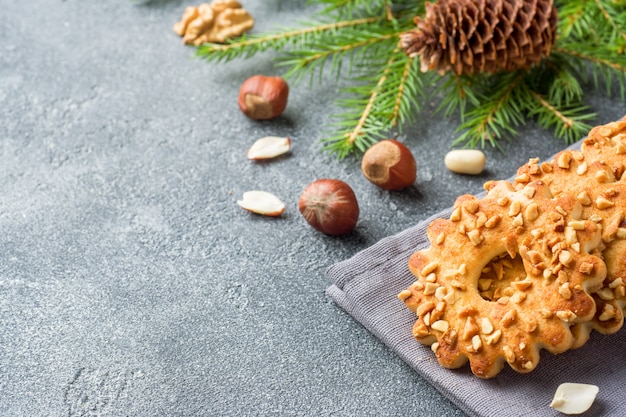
329 206
390 165
263 98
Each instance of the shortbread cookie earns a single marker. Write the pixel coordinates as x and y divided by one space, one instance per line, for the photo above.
500 282
595 175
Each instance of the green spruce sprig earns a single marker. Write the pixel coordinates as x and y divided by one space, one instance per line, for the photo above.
357 40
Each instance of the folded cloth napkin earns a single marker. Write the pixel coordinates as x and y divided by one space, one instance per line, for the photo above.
366 286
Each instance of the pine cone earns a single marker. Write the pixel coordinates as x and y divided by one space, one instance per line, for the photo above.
476 36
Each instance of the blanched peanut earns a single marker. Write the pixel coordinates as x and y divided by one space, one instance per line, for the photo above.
465 161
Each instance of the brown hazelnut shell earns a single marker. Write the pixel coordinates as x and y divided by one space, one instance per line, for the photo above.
390 165
262 97
329 206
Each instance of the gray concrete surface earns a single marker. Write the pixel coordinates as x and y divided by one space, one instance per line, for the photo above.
131 283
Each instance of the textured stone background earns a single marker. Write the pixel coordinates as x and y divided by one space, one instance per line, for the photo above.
131 283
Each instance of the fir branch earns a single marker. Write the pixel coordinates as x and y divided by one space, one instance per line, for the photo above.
305 62
496 115
248 46
568 123
402 98
371 112
361 134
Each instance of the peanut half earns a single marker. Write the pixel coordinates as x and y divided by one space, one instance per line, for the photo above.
465 161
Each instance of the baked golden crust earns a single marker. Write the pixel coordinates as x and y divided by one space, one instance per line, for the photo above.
595 175
536 264
499 283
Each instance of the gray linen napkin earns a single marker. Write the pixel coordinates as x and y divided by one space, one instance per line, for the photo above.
366 286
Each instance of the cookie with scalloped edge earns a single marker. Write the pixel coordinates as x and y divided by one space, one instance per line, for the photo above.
596 176
464 317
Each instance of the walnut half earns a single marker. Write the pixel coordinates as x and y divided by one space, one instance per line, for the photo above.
215 23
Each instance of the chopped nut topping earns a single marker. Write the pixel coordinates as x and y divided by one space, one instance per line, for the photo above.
565 257
503 300
606 294
528 365
566 315
441 238
565 291
430 288
545 313
584 198
434 347
404 295
518 297
522 285
570 235
529 192
531 212
515 209
493 338
470 329
456 214
616 282
467 311
518 220
477 343
440 293
523 178
577 224
546 167
563 160
424 308
608 313
585 268
426 319
432 277
440 325
602 203
492 221
486 325
561 210
475 237
458 285
509 355
471 206
420 330
509 318
431 267
595 218
602 177
481 219
503 201
582 168
418 286
450 297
